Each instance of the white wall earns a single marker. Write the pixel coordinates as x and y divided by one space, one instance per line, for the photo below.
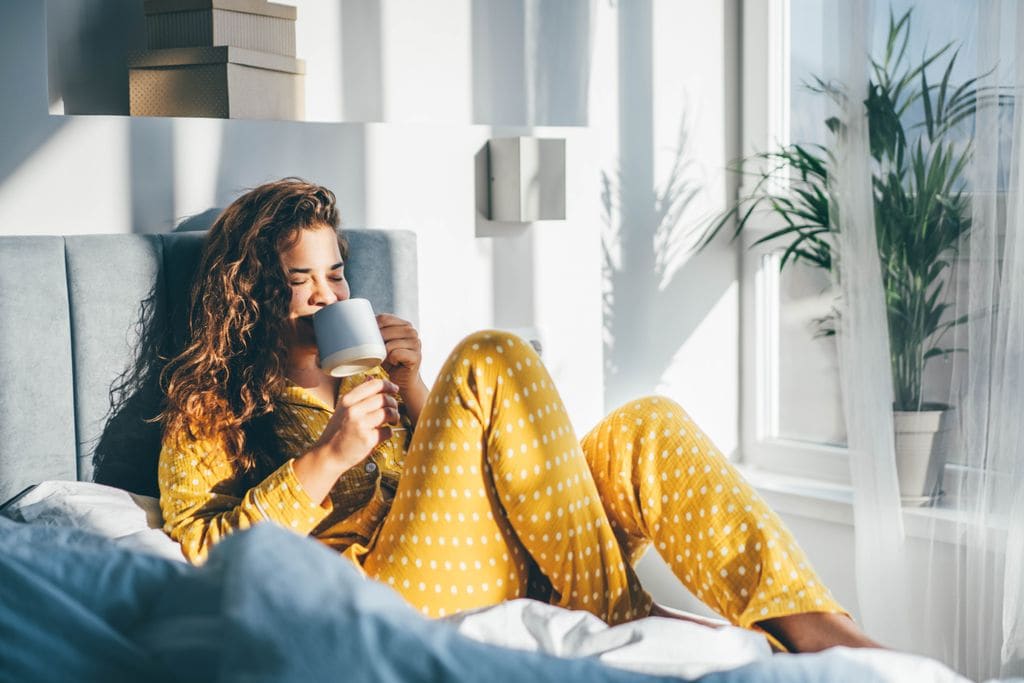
663 98
955 607
96 174
405 94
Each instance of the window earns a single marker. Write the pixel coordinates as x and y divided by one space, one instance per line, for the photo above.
792 417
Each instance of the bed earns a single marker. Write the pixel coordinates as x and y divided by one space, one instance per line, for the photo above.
91 588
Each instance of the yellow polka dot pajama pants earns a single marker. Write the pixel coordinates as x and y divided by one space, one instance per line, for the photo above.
499 500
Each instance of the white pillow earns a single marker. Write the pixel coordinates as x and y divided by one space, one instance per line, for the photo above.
130 520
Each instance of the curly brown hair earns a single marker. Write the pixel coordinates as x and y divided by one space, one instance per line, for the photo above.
224 384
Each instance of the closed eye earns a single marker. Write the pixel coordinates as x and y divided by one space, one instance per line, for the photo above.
337 279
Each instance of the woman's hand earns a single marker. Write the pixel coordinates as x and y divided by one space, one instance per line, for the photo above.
361 421
403 361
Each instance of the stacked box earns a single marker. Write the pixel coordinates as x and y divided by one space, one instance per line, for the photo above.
218 58
261 26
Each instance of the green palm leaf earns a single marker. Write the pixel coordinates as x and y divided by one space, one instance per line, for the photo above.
918 179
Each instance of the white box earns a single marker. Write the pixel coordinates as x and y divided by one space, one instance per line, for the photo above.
527 179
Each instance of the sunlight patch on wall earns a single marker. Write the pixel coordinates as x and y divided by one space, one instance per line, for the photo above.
197 161
98 196
704 375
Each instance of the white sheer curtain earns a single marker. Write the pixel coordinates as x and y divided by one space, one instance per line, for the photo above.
958 592
862 340
989 377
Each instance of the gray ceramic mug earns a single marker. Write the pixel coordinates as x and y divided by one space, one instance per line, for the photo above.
347 338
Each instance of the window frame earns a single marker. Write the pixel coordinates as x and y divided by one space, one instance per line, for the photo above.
765 74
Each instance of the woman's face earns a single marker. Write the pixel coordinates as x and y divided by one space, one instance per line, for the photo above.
316 273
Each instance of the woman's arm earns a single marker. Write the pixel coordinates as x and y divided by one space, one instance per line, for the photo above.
200 509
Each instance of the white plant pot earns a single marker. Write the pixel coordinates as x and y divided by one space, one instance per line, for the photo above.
923 440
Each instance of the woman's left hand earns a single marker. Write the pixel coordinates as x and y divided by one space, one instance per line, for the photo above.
403 361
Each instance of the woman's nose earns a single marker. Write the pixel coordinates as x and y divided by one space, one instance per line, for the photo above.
323 294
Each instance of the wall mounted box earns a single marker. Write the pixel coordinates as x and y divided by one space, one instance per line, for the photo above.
218 82
527 179
249 24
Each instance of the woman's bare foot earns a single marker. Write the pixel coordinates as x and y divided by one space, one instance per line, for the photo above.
805 632
815 631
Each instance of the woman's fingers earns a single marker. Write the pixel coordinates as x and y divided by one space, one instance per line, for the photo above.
389 320
355 429
380 417
375 410
404 349
402 356
393 328
367 390
375 402
411 343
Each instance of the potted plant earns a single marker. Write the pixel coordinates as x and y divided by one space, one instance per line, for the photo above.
921 215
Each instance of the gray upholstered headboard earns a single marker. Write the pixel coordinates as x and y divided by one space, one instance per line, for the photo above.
68 313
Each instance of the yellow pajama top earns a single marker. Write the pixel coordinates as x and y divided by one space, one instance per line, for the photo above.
203 499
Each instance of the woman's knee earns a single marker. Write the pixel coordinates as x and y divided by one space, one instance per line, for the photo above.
652 408
494 346
658 422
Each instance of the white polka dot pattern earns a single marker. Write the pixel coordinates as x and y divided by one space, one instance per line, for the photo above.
664 482
496 482
495 488
498 500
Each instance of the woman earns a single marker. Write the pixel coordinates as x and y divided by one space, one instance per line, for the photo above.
485 494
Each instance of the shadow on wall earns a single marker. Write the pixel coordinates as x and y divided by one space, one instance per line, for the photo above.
499 64
70 56
88 43
151 180
651 304
339 163
531 62
362 61
23 71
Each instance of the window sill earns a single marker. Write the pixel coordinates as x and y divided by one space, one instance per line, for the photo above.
831 502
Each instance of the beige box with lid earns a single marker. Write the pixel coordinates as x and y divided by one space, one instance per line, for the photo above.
218 58
219 82
250 24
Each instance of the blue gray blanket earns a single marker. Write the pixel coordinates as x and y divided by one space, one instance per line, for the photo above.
267 606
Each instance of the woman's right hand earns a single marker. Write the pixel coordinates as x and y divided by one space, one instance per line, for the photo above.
361 421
